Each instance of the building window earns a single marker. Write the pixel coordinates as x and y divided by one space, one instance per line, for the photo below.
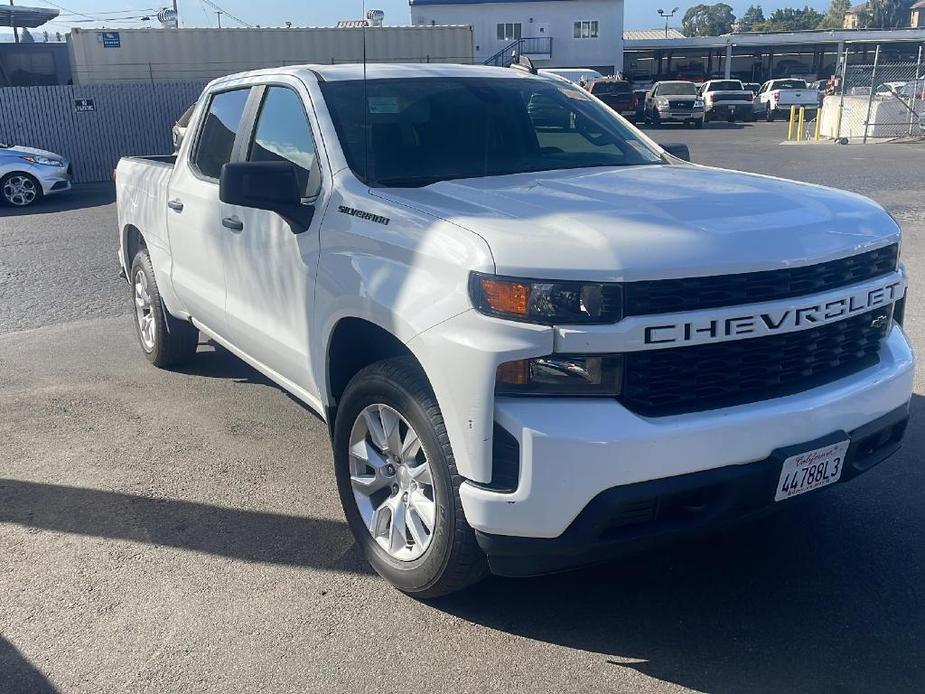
585 30
509 31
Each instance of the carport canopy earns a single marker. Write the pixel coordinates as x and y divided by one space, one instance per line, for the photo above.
28 17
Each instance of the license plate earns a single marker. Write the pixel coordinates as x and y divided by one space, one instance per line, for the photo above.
811 470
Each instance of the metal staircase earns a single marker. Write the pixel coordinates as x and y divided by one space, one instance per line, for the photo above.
529 46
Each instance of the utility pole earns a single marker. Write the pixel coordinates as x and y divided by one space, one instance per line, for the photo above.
219 15
176 11
15 29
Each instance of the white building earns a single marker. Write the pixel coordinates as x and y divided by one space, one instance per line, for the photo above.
554 33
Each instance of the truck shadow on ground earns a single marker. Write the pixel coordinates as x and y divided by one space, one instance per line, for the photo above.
824 596
254 536
80 197
17 674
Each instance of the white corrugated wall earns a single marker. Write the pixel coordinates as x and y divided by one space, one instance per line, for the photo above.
201 54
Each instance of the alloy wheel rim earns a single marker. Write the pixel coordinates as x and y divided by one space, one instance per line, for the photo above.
392 483
19 190
143 311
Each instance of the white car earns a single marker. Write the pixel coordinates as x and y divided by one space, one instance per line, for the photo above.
28 174
533 346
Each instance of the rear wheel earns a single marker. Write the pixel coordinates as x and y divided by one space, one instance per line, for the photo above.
165 340
399 485
20 189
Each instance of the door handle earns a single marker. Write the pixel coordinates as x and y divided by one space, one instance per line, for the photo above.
233 223
175 205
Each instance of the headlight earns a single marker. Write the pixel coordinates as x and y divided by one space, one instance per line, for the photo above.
661 102
698 103
562 375
546 302
44 161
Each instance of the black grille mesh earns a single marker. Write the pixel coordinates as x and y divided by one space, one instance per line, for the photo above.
695 293
703 377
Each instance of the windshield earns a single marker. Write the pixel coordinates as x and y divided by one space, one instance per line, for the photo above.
677 89
726 86
429 129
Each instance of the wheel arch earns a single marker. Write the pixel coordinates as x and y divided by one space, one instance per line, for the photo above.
353 344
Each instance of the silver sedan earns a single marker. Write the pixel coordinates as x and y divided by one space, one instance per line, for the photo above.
27 175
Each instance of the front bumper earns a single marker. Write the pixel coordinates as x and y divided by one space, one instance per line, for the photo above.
630 517
573 450
53 179
680 116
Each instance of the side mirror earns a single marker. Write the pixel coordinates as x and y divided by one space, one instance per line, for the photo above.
266 185
678 150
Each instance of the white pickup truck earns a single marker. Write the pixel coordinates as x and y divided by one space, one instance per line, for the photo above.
776 97
534 345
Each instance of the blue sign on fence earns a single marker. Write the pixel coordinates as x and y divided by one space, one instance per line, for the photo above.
111 39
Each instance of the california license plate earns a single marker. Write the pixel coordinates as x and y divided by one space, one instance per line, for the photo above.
811 470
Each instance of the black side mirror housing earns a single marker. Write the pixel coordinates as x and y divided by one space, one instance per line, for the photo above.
678 150
266 185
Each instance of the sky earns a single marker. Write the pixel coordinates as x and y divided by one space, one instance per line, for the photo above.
640 14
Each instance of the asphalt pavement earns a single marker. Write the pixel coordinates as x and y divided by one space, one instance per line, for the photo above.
180 531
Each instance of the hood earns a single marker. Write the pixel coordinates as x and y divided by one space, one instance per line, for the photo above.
653 222
19 150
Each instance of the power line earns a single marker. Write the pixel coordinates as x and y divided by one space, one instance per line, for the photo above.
218 8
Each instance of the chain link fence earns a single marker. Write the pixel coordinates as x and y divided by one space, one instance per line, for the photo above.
880 101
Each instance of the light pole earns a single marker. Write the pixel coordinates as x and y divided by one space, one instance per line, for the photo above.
219 15
667 17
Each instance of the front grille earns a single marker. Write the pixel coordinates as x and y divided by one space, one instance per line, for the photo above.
696 293
703 377
681 105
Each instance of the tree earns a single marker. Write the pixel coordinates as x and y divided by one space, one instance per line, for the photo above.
792 19
27 37
708 20
753 17
887 14
835 17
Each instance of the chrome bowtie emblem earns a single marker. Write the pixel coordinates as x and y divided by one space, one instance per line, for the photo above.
879 321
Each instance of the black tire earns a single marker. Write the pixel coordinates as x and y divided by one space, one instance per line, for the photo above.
698 124
731 118
39 194
707 117
769 115
656 120
453 560
175 340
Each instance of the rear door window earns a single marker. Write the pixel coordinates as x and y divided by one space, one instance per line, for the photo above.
219 130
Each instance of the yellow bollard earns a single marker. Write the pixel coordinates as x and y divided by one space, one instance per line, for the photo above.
818 123
793 116
802 126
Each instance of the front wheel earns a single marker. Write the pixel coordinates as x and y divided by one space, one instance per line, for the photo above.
769 115
399 485
165 340
698 124
20 189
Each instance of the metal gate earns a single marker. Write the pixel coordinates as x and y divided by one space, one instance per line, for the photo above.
94 125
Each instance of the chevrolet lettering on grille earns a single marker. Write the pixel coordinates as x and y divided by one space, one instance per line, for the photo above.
743 324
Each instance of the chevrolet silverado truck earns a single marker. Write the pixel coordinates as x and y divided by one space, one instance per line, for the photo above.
776 97
534 347
727 99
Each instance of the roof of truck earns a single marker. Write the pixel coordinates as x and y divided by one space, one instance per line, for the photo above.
355 71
